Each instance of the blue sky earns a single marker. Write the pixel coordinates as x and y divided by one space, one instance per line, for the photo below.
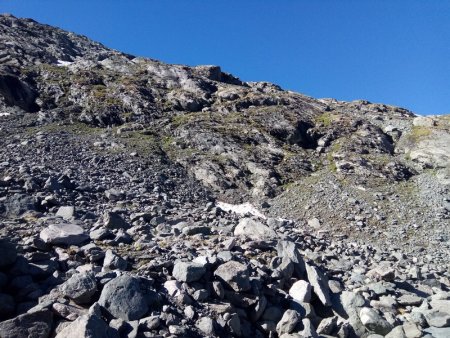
394 52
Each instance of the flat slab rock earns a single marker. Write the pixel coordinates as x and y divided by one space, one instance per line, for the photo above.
63 234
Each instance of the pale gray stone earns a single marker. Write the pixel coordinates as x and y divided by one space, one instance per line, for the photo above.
64 234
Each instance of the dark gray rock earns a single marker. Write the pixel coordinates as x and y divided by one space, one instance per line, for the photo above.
113 261
188 271
80 287
88 326
8 253
288 250
37 325
235 275
7 305
112 220
128 298
18 204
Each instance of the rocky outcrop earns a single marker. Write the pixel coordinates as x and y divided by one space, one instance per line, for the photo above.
119 178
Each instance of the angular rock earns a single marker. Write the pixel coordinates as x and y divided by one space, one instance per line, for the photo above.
113 261
308 329
188 271
300 291
66 212
37 325
150 323
80 287
235 275
205 325
288 322
88 326
17 205
289 250
319 283
412 330
438 319
112 220
374 322
327 325
68 312
126 297
437 332
347 305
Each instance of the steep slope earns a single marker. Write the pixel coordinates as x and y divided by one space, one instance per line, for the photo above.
139 155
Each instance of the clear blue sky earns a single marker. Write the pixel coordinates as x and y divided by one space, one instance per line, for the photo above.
395 52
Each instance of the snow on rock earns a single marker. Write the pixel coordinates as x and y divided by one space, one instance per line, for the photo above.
241 209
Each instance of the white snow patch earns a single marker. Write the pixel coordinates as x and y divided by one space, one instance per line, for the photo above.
64 63
4 114
241 209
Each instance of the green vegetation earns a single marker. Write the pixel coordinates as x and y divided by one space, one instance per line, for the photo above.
143 143
418 133
325 119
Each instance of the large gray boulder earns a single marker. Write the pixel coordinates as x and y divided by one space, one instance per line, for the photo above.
127 297
80 287
254 230
235 275
36 325
64 234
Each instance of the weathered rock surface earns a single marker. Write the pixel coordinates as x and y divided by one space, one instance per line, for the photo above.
37 324
89 326
80 287
188 272
235 275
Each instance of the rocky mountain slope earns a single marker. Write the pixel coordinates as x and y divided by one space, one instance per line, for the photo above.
142 199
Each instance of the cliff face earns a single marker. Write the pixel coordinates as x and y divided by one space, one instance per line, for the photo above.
104 132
